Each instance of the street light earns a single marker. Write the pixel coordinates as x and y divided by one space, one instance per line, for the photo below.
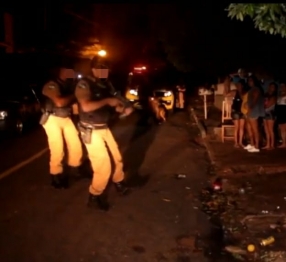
102 53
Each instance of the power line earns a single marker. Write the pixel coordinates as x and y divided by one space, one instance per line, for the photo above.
81 18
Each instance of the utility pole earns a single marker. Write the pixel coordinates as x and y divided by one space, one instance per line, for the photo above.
96 25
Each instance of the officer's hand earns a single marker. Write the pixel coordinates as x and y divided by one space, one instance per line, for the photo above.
127 111
114 102
119 108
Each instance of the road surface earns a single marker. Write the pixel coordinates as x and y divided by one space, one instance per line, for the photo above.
42 224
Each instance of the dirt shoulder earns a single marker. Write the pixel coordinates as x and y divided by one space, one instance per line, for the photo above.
229 160
251 204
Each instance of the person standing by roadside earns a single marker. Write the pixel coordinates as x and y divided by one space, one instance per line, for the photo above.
269 118
281 113
255 109
57 123
181 95
95 101
236 112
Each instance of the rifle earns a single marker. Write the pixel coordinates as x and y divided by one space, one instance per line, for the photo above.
117 94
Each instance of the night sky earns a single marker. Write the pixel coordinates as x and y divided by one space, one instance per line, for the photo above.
199 34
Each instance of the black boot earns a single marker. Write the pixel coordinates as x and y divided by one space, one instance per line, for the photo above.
99 201
59 181
122 188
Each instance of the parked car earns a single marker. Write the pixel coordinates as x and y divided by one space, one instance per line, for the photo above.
19 111
166 97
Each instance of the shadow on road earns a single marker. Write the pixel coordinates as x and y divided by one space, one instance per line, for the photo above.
135 154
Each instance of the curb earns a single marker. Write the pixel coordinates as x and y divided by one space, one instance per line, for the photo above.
199 123
203 132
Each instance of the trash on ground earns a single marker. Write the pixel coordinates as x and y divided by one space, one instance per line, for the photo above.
267 241
180 176
251 248
242 191
236 250
257 236
217 184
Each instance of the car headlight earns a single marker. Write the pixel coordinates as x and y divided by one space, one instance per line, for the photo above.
133 92
168 93
3 114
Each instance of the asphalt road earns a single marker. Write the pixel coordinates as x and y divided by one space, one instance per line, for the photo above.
42 224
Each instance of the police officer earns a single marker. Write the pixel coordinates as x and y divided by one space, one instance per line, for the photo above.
57 123
158 110
95 99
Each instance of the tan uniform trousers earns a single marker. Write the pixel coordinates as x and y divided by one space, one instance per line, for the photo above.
100 160
181 99
59 129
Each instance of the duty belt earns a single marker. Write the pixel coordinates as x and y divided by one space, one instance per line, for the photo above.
92 126
60 112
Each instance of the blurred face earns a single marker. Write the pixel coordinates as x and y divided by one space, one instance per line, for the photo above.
100 73
250 82
283 88
271 88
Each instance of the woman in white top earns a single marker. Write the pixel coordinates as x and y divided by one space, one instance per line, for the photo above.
281 114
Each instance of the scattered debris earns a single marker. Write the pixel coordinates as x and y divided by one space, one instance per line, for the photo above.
217 184
186 241
242 191
235 250
267 241
257 236
180 176
251 248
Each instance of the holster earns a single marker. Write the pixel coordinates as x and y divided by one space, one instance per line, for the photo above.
62 112
44 118
85 133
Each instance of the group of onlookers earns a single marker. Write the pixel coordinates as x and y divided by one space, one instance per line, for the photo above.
252 108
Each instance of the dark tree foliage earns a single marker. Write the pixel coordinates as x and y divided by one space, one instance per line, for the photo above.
269 18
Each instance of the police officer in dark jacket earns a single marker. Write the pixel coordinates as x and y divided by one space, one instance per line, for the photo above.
95 98
56 120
